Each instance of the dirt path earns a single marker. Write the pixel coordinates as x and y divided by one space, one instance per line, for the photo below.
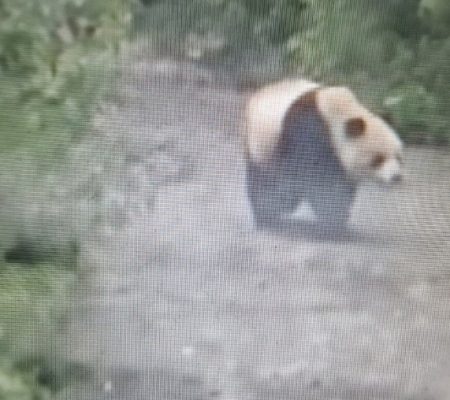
187 301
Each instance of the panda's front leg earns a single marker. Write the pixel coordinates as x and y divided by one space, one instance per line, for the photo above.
270 195
332 203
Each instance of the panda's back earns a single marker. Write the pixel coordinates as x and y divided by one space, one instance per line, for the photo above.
265 113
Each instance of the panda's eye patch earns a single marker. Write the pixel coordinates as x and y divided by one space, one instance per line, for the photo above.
377 160
355 127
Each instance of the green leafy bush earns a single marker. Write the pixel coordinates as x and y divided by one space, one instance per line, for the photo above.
56 62
384 49
20 385
247 36
408 105
398 69
31 301
436 15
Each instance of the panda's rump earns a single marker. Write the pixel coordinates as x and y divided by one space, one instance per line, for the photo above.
265 112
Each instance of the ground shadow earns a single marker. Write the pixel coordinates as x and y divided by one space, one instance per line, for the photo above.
312 231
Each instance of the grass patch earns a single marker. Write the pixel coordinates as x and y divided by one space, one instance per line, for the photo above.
32 299
57 62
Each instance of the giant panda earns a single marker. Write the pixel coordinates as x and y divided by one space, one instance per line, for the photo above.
306 141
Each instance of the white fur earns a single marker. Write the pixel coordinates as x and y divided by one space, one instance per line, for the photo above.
267 108
389 171
338 105
265 112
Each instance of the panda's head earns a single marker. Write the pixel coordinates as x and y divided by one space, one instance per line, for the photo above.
367 146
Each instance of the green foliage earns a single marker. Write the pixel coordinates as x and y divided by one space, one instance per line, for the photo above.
17 385
240 34
436 15
418 98
397 70
335 41
384 49
54 57
56 63
408 105
26 303
31 301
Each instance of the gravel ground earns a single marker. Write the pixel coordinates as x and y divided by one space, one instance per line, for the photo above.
183 299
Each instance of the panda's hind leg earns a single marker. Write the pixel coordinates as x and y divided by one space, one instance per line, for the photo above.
269 195
332 204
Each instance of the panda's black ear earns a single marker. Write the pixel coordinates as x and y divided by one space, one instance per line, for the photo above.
355 127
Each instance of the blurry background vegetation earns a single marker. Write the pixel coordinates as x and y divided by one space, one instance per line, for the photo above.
394 53
57 61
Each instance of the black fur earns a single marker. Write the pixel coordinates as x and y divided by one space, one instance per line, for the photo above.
303 166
